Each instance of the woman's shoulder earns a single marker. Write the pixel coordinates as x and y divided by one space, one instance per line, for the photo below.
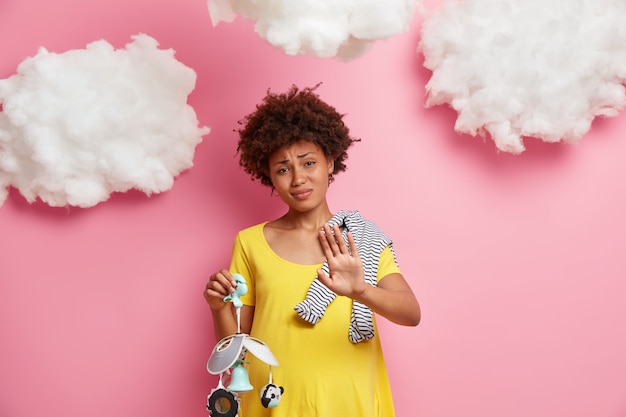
358 219
252 230
251 238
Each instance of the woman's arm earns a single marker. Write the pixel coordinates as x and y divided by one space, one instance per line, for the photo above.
392 299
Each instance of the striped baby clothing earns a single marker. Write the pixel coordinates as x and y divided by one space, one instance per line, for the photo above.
370 242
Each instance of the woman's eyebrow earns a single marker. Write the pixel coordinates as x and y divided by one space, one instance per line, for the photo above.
304 155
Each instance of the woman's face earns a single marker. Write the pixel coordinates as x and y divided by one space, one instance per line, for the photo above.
299 174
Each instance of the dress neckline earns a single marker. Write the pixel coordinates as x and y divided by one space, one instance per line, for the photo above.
273 252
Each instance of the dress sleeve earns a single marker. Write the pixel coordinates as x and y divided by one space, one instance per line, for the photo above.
240 264
387 264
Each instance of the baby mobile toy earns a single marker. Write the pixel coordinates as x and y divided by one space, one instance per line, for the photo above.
228 358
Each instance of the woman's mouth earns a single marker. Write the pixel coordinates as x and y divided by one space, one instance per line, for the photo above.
301 195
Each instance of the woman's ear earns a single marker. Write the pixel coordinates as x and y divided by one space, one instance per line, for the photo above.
331 167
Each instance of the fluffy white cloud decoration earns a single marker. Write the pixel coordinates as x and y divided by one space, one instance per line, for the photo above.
324 28
79 125
526 68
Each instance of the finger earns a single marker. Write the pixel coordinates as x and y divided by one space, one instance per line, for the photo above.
222 282
353 249
323 277
227 279
341 243
324 244
329 240
212 294
323 238
215 289
225 274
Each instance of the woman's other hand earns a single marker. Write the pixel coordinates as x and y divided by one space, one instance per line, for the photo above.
219 286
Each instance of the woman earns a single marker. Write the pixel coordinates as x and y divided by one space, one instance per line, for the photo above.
315 277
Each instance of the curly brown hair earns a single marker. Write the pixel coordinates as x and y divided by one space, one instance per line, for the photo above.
283 119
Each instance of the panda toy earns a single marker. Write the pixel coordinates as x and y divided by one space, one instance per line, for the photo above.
271 395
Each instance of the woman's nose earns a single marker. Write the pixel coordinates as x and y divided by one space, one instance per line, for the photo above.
298 177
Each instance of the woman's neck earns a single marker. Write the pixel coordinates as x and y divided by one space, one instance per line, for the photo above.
310 220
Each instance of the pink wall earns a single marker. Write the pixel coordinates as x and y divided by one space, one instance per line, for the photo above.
518 261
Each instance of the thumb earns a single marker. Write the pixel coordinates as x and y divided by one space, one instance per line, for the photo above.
323 276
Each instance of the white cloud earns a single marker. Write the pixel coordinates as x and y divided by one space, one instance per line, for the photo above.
324 28
526 68
80 125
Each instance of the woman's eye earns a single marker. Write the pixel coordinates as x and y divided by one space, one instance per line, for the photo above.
309 163
282 170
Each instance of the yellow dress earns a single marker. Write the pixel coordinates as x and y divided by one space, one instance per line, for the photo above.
322 372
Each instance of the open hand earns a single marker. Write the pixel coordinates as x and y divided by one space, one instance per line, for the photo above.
347 276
